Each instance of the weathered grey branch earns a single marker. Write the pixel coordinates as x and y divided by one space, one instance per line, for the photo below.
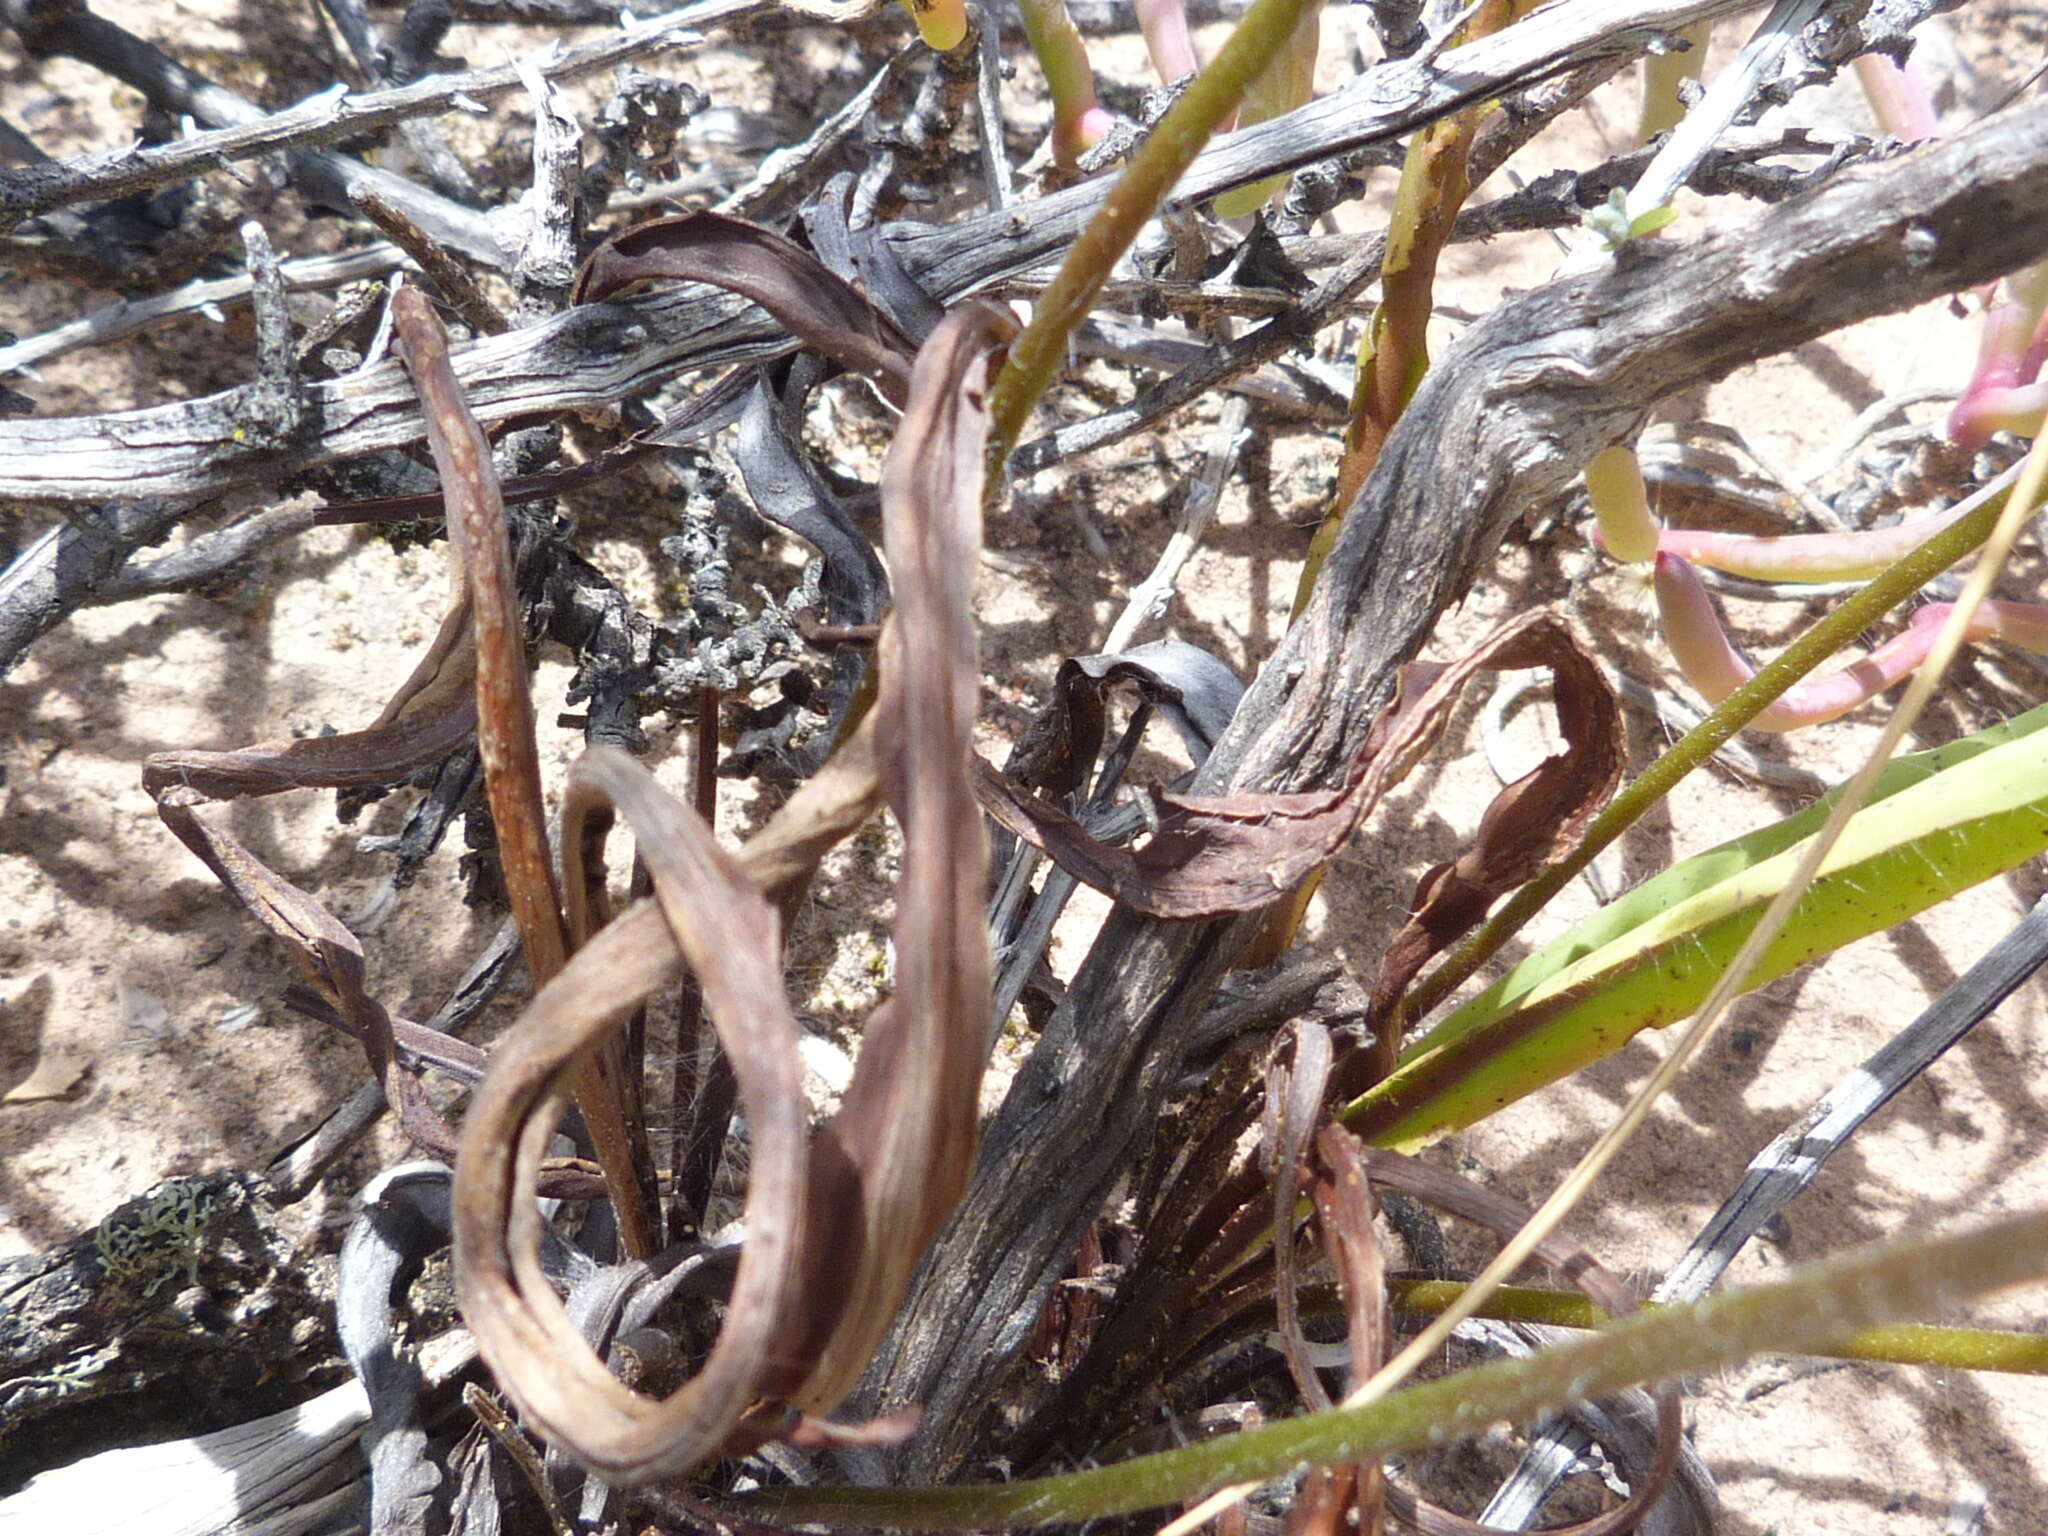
204 560
1149 599
547 259
606 353
61 570
1504 420
1742 163
127 316
330 179
383 67
330 116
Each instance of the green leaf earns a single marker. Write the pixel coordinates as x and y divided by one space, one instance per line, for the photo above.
1652 221
1939 822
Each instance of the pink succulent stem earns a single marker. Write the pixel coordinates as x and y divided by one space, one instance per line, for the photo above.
1898 97
2019 410
1794 557
2003 395
1078 120
1711 663
1805 556
1164 24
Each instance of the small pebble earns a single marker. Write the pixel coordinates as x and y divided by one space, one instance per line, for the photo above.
142 1012
238 1018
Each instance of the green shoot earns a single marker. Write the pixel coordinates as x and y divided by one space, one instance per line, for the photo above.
1692 628
1949 1349
1621 505
1616 226
1078 121
1167 152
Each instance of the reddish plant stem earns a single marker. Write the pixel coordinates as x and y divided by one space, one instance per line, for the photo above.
506 737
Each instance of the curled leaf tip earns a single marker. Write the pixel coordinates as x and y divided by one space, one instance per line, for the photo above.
2005 393
2015 408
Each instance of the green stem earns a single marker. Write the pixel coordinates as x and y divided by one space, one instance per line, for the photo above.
1077 118
1949 1349
1843 1297
1829 635
1167 152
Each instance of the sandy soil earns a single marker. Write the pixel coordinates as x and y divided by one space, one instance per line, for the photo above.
117 950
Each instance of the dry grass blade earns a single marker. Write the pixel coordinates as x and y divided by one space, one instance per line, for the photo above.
1345 1210
324 952
1295 1083
505 738
432 713
819 307
477 531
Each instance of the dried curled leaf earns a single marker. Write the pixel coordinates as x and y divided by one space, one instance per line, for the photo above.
819 307
718 922
908 1125
432 714
834 1229
1532 822
1196 692
326 954
1220 854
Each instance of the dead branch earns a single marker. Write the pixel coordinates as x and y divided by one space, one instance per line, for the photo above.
62 569
241 131
330 179
605 354
300 274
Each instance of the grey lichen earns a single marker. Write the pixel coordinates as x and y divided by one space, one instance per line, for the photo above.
156 1237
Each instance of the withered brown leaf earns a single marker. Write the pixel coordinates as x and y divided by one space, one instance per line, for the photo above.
833 1233
819 307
